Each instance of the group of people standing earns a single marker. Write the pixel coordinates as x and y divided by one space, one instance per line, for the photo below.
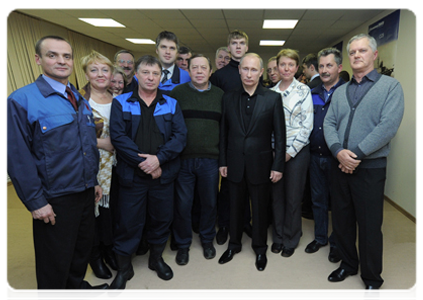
136 155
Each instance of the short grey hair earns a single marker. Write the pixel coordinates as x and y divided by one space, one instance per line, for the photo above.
327 51
372 41
254 55
224 48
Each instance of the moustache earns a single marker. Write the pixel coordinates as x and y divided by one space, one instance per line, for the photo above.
127 68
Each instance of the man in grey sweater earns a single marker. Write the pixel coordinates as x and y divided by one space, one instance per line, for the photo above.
363 118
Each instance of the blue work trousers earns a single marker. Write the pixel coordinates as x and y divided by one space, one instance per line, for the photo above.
146 196
320 167
203 172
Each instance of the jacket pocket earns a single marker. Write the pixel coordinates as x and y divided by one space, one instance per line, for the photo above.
58 133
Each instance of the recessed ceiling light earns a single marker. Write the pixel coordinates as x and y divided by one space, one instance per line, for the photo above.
103 22
141 41
271 43
279 24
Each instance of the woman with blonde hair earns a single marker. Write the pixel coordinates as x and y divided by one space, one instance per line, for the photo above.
98 71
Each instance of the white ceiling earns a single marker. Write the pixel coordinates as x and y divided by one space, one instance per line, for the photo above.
205 30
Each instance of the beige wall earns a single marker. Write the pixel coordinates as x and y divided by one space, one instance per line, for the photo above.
401 171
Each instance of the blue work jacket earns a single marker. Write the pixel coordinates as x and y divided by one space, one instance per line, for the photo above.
179 77
317 139
125 119
52 149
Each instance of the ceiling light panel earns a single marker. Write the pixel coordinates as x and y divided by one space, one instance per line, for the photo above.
279 24
102 22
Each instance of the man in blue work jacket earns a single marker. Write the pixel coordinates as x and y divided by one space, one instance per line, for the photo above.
148 131
53 162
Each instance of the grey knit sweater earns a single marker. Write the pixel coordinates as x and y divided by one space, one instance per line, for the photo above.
367 127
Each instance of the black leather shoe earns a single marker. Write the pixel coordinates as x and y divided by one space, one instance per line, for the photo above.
209 251
276 248
98 290
100 269
314 246
162 269
248 229
222 235
182 257
333 255
261 262
371 293
125 272
227 256
340 274
86 286
287 252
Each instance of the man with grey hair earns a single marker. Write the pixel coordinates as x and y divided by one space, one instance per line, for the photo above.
223 57
329 65
364 116
250 115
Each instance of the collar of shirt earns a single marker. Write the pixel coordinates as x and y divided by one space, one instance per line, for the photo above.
171 69
57 86
234 63
311 79
371 76
193 87
288 91
259 90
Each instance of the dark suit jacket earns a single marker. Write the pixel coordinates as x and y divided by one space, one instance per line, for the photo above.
250 149
315 82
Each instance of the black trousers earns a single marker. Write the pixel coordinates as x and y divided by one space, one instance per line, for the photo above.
259 195
357 204
287 195
62 251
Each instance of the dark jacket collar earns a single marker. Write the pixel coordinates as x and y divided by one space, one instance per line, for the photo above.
134 97
176 76
46 89
319 89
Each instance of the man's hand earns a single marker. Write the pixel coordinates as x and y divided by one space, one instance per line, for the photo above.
156 173
223 171
347 160
45 213
287 157
275 176
150 164
98 193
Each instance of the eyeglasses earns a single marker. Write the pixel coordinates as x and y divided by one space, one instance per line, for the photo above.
129 62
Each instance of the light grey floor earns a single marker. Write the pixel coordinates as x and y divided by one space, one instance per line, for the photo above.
302 275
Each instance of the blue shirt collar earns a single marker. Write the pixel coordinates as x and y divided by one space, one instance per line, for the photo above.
57 86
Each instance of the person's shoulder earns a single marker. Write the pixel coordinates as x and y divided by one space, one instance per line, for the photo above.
184 75
216 89
23 92
179 88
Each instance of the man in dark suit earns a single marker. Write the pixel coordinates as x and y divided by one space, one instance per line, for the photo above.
311 71
249 116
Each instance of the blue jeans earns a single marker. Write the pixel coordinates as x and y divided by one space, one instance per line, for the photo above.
203 172
319 181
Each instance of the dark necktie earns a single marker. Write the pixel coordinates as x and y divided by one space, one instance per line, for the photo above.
166 72
71 98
